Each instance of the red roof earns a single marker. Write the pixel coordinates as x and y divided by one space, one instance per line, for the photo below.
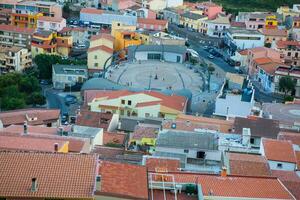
51 19
116 138
235 186
173 101
152 21
141 132
248 165
238 24
63 176
11 28
284 44
123 180
290 180
244 52
162 164
298 159
293 137
274 32
102 35
278 150
42 116
29 143
94 119
101 47
91 11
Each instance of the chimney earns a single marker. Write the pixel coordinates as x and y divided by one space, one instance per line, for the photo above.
33 185
224 172
188 122
246 135
25 132
55 147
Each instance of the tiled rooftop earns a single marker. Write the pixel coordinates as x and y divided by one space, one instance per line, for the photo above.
94 119
57 175
156 164
123 180
279 150
248 165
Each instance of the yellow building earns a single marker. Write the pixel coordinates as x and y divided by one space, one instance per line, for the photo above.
140 104
123 39
271 22
192 20
100 51
144 37
25 20
144 136
64 43
43 42
120 26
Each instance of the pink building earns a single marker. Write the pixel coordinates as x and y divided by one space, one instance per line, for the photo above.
210 9
260 52
51 23
152 24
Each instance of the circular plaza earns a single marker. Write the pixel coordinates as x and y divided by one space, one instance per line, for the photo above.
156 75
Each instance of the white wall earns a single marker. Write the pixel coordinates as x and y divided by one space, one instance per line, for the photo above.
168 56
246 44
285 165
48 25
113 125
211 29
174 3
153 111
236 107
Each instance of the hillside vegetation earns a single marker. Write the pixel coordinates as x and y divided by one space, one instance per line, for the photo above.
234 6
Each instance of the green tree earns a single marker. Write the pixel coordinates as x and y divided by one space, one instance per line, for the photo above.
286 84
12 103
29 84
36 98
44 63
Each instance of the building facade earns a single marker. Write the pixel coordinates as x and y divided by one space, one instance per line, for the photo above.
51 23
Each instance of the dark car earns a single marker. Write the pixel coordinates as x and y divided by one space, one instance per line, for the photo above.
180 26
70 99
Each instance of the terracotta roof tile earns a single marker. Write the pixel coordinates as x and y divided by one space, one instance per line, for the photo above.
57 175
293 137
116 138
29 143
102 35
244 52
186 125
91 11
223 125
75 144
290 180
248 165
43 116
94 119
152 21
298 159
274 32
278 150
50 19
108 153
123 180
144 132
157 164
101 47
235 186
284 44
11 28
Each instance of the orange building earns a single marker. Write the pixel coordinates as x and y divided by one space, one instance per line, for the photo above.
123 39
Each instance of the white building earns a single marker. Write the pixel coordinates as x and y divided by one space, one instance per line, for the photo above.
239 39
51 23
280 154
216 27
68 75
197 151
105 17
174 3
236 97
169 53
14 59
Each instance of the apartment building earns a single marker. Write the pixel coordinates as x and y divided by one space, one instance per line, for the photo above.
14 59
43 42
51 23
15 36
289 50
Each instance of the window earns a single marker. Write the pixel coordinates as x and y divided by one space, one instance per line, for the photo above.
289 54
147 115
122 101
279 165
122 112
95 57
251 140
129 102
186 151
296 54
96 64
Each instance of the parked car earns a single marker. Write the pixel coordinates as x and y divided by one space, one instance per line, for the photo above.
180 26
210 56
70 99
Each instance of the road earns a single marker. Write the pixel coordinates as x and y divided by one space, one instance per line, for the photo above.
197 41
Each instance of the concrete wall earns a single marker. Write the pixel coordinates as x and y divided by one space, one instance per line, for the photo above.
174 3
236 107
168 56
108 18
285 165
113 125
98 56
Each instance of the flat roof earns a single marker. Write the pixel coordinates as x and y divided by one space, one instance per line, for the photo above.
70 69
243 31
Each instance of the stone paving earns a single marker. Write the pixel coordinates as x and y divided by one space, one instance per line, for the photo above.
159 75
